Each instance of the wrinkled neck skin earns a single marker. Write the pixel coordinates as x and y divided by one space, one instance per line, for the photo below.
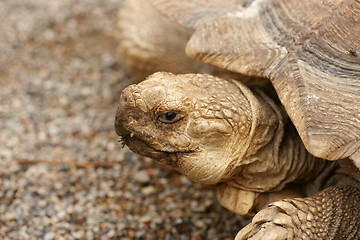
273 154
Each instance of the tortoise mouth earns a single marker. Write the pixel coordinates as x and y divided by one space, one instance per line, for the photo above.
140 144
143 148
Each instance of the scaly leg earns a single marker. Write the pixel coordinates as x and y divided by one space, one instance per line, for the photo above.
331 214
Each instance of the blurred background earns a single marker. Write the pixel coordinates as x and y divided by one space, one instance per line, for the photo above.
63 171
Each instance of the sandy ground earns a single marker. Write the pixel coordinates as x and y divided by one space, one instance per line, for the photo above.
63 172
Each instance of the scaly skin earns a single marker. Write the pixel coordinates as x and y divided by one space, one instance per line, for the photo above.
333 213
223 133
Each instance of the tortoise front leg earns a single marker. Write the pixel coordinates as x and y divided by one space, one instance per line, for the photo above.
331 214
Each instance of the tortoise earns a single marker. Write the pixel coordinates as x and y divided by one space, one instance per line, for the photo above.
287 151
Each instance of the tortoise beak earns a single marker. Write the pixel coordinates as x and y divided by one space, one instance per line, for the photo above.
125 108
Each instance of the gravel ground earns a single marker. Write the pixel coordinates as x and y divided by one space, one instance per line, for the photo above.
63 172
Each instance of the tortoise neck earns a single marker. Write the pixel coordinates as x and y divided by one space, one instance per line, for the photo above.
280 159
300 165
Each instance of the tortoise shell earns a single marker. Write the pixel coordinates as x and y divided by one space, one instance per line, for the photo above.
310 51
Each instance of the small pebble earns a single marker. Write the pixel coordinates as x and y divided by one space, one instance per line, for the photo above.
49 236
142 177
148 190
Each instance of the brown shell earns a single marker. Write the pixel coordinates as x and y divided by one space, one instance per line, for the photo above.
310 50
192 13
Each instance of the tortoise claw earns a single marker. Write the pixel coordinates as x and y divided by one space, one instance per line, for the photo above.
269 224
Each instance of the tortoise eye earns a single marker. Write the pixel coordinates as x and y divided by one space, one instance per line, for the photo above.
170 117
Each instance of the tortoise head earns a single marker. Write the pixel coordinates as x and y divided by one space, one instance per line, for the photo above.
199 124
192 122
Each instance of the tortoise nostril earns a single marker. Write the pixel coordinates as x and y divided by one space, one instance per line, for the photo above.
126 97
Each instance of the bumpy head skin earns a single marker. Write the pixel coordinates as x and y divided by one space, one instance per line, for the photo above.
187 121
